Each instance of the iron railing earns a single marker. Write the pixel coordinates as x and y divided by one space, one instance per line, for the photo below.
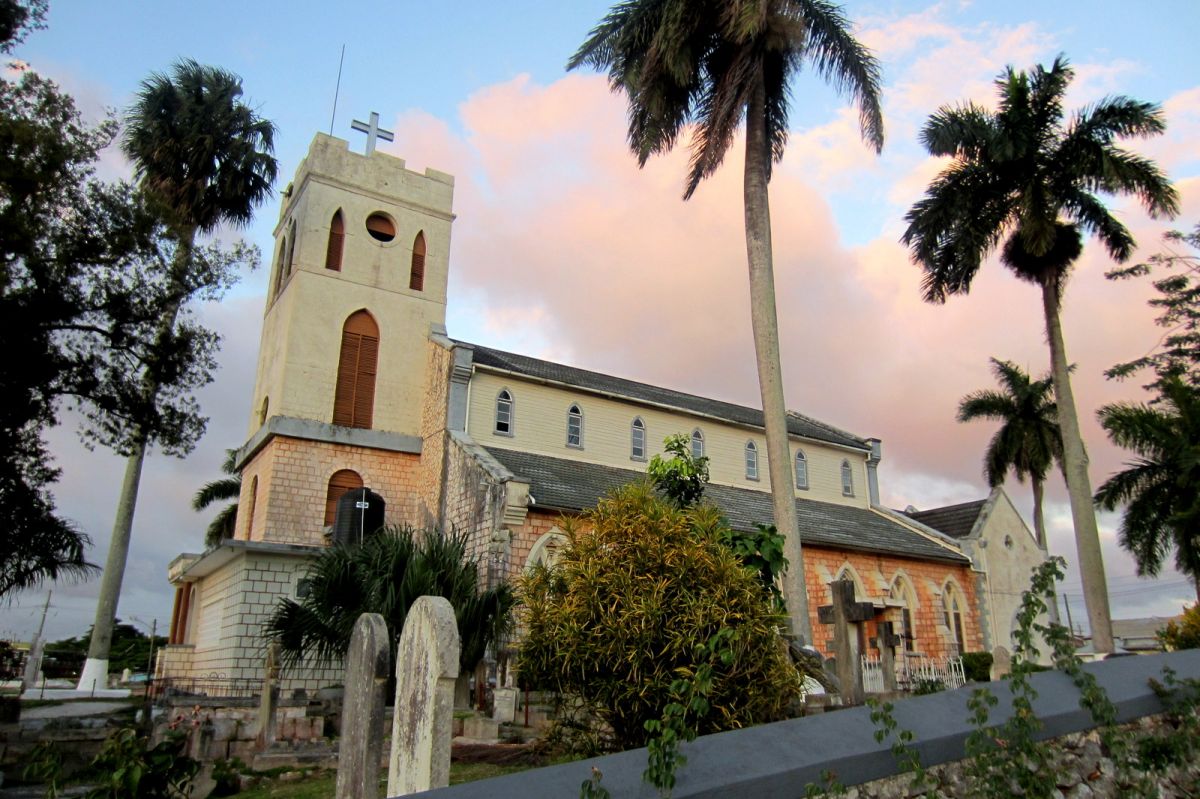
912 672
211 686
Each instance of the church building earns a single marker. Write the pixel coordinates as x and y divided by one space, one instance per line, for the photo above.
359 384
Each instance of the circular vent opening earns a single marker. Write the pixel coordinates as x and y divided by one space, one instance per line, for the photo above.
381 227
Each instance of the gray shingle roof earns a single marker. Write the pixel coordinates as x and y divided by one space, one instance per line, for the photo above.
561 484
956 521
798 424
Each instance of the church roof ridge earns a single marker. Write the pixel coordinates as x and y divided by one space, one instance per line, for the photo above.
586 379
956 521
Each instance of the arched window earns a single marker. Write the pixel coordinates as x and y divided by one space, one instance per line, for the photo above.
902 590
751 461
801 470
697 444
847 479
952 616
416 276
574 427
291 250
341 482
250 507
504 413
637 440
354 398
281 263
337 238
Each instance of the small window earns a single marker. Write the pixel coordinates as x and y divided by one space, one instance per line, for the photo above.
908 632
504 413
637 440
381 227
416 276
801 470
337 239
751 461
847 479
303 588
250 507
952 617
281 263
291 250
697 444
264 411
575 427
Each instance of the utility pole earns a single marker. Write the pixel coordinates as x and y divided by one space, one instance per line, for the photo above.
1070 624
33 662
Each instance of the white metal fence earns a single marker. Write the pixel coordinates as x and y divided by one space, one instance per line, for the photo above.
911 672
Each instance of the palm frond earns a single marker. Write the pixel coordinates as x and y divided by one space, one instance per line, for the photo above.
221 527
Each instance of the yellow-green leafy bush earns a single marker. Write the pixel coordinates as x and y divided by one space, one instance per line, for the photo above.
1184 632
629 608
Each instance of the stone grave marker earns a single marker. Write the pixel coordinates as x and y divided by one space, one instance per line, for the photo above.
1001 663
269 701
426 669
887 643
368 662
845 614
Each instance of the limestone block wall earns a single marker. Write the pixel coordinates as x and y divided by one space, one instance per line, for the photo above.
225 637
540 425
473 503
293 480
433 432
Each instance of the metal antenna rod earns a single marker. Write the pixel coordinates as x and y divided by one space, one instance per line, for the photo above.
337 89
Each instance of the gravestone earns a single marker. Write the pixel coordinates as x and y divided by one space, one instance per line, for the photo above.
426 668
887 642
368 662
269 700
1001 663
504 702
846 615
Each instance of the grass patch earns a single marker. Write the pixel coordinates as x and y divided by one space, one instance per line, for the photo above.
322 784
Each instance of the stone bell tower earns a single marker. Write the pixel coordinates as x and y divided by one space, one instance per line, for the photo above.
358 281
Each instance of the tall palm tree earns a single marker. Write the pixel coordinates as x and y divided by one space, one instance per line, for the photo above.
712 64
229 487
1028 441
205 158
1161 488
1023 176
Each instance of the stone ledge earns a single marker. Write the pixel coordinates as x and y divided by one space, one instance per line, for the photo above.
312 430
780 759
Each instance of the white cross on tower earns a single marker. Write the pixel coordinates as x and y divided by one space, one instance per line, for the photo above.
373 131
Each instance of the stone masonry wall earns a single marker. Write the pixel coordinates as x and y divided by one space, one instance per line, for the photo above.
433 432
473 503
293 480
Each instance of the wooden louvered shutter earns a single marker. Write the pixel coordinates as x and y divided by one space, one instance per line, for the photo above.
341 482
337 238
354 394
416 278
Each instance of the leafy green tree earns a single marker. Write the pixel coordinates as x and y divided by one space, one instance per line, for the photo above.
1160 489
385 574
625 611
1028 441
82 268
17 18
712 64
204 158
229 487
682 477
1183 633
1024 180
1178 300
131 647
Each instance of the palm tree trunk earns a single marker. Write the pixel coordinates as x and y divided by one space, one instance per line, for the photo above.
1075 470
766 348
95 668
1039 517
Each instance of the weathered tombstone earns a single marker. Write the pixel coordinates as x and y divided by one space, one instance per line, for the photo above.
368 662
504 701
1001 663
887 642
270 698
845 614
426 668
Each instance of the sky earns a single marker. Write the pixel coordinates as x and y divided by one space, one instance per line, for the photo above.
564 249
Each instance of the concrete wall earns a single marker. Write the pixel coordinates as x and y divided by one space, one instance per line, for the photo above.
540 425
781 759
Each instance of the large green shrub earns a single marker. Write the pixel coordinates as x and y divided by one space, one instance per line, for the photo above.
977 666
629 607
